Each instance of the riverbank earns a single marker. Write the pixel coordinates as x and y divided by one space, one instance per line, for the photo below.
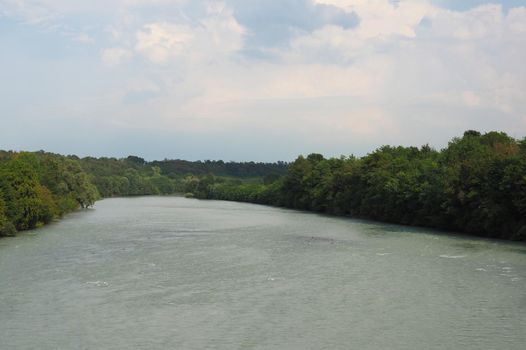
477 185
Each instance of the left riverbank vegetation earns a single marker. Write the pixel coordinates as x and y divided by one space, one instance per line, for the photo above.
476 185
38 187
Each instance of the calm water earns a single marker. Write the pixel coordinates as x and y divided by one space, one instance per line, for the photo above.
175 273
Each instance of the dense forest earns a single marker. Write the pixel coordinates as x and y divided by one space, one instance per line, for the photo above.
135 176
37 187
476 185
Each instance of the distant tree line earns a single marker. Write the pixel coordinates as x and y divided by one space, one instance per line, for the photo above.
476 185
134 176
220 168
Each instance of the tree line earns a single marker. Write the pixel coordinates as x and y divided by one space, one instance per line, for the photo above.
476 185
133 175
38 187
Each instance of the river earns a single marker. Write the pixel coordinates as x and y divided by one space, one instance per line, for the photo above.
176 273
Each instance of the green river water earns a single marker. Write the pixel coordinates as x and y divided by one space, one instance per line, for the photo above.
176 273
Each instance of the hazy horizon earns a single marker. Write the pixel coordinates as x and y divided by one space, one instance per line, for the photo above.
247 80
295 156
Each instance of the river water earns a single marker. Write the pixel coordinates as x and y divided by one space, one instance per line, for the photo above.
176 273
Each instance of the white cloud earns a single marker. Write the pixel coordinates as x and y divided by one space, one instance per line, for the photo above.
382 18
84 39
478 23
516 20
160 41
411 70
115 55
411 63
30 12
471 99
214 37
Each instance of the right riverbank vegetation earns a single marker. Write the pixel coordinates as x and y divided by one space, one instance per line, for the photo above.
476 185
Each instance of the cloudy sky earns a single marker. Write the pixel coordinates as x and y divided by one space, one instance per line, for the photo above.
257 80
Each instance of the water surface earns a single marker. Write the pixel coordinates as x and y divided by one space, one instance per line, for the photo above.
176 273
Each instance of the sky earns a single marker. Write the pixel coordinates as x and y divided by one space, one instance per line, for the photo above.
257 80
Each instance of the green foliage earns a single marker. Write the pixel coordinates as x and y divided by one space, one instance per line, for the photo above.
476 185
39 187
27 202
134 176
6 227
220 168
36 188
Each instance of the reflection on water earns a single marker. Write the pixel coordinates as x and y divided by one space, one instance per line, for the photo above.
175 273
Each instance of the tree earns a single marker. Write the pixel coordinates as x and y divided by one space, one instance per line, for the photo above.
6 227
78 183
